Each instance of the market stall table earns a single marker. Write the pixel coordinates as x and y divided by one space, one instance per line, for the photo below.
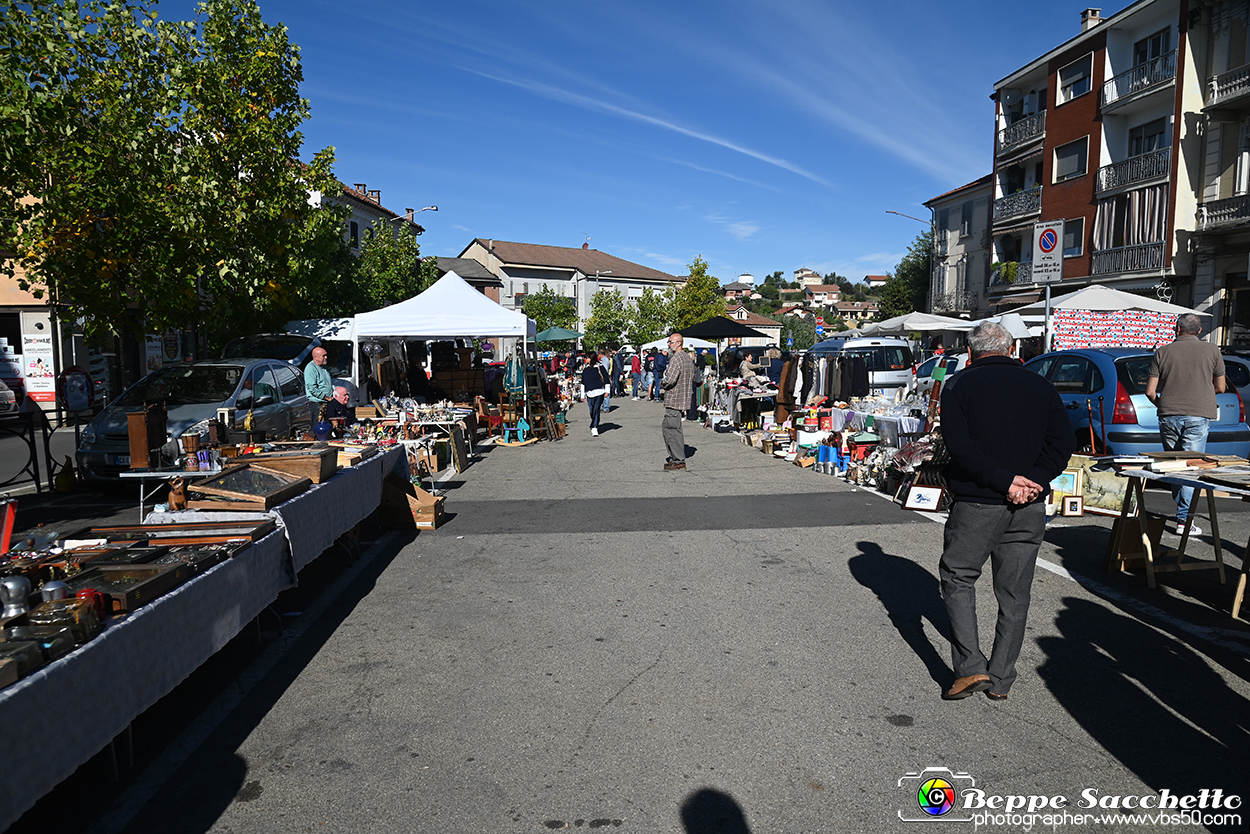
131 665
1135 496
164 476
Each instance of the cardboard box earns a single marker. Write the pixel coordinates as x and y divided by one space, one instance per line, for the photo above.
434 460
405 506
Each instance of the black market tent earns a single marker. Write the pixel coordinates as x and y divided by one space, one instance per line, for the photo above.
721 327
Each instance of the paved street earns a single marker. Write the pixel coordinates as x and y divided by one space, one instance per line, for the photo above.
590 642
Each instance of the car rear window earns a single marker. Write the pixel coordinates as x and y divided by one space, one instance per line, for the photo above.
1237 373
1133 373
184 385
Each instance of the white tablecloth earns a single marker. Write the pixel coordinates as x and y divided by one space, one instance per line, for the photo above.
127 668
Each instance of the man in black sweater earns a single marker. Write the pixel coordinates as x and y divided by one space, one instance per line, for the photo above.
1008 435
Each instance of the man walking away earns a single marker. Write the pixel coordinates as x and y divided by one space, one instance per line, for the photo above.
678 384
1008 435
1184 378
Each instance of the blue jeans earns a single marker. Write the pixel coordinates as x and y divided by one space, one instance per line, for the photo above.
596 405
636 378
1188 434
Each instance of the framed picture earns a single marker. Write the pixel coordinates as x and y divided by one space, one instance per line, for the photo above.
1073 505
923 498
1067 482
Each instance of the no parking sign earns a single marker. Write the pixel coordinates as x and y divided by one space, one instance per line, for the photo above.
1048 252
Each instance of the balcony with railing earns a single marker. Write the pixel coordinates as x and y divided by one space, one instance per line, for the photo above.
1136 169
1023 132
1229 86
1020 204
1233 212
1139 258
953 302
1007 273
1140 81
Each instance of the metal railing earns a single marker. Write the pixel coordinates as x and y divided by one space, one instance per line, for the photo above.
1229 85
1014 205
1232 211
1147 166
1022 132
1139 79
1143 256
953 302
1006 273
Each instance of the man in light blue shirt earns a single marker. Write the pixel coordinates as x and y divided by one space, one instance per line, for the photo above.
318 386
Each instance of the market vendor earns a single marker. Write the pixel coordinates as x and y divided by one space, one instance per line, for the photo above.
318 386
749 370
338 409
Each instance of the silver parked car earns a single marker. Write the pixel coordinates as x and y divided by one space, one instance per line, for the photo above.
192 392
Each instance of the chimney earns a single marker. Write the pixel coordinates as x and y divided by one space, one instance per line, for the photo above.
585 245
1090 18
376 196
409 215
360 186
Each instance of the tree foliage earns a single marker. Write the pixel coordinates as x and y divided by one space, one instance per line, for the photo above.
801 329
651 316
609 320
154 164
550 310
391 268
908 288
699 299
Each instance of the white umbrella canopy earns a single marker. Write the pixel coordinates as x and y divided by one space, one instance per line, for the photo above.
1011 321
1105 298
914 322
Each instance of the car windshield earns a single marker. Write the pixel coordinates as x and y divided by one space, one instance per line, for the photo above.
883 358
1134 373
184 385
284 346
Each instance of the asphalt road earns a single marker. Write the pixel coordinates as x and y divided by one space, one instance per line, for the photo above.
593 643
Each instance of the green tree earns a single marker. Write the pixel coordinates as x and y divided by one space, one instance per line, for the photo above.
699 299
908 288
609 320
650 317
550 310
322 269
799 328
770 291
391 268
154 164
774 279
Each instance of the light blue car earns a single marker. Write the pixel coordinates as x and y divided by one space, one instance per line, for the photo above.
1107 387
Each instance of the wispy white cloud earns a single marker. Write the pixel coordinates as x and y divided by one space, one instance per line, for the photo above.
741 229
586 102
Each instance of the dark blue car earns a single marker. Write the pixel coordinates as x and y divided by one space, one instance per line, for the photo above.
1108 385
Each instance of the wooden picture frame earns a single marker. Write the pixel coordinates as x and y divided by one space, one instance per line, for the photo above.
926 499
1073 505
1067 482
223 492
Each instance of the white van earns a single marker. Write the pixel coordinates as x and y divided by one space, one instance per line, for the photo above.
337 336
889 359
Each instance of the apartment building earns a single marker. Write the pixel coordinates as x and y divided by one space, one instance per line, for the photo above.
1105 132
961 249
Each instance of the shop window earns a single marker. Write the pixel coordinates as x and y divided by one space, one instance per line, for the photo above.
1075 79
1073 237
1071 159
1146 138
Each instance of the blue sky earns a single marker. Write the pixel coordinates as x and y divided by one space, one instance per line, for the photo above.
761 135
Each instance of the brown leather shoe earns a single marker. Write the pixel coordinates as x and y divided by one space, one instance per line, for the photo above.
674 465
965 687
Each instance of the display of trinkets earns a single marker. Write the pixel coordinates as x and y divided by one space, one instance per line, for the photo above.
197 557
131 586
53 641
249 488
27 654
78 615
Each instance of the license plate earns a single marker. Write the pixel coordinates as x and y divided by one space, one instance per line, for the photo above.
121 460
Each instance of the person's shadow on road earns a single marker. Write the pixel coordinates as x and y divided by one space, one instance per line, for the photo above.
709 811
910 595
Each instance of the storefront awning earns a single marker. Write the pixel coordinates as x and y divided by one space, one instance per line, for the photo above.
1016 298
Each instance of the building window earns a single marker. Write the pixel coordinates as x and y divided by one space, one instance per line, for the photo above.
1070 159
354 234
1137 217
1073 237
1146 138
965 222
1074 79
1155 46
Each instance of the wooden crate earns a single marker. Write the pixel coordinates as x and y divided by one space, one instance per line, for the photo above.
317 465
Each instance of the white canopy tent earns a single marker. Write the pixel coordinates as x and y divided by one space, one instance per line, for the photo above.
1098 297
913 322
449 309
690 342
1014 325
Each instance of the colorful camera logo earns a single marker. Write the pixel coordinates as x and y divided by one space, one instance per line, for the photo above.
936 797
935 790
